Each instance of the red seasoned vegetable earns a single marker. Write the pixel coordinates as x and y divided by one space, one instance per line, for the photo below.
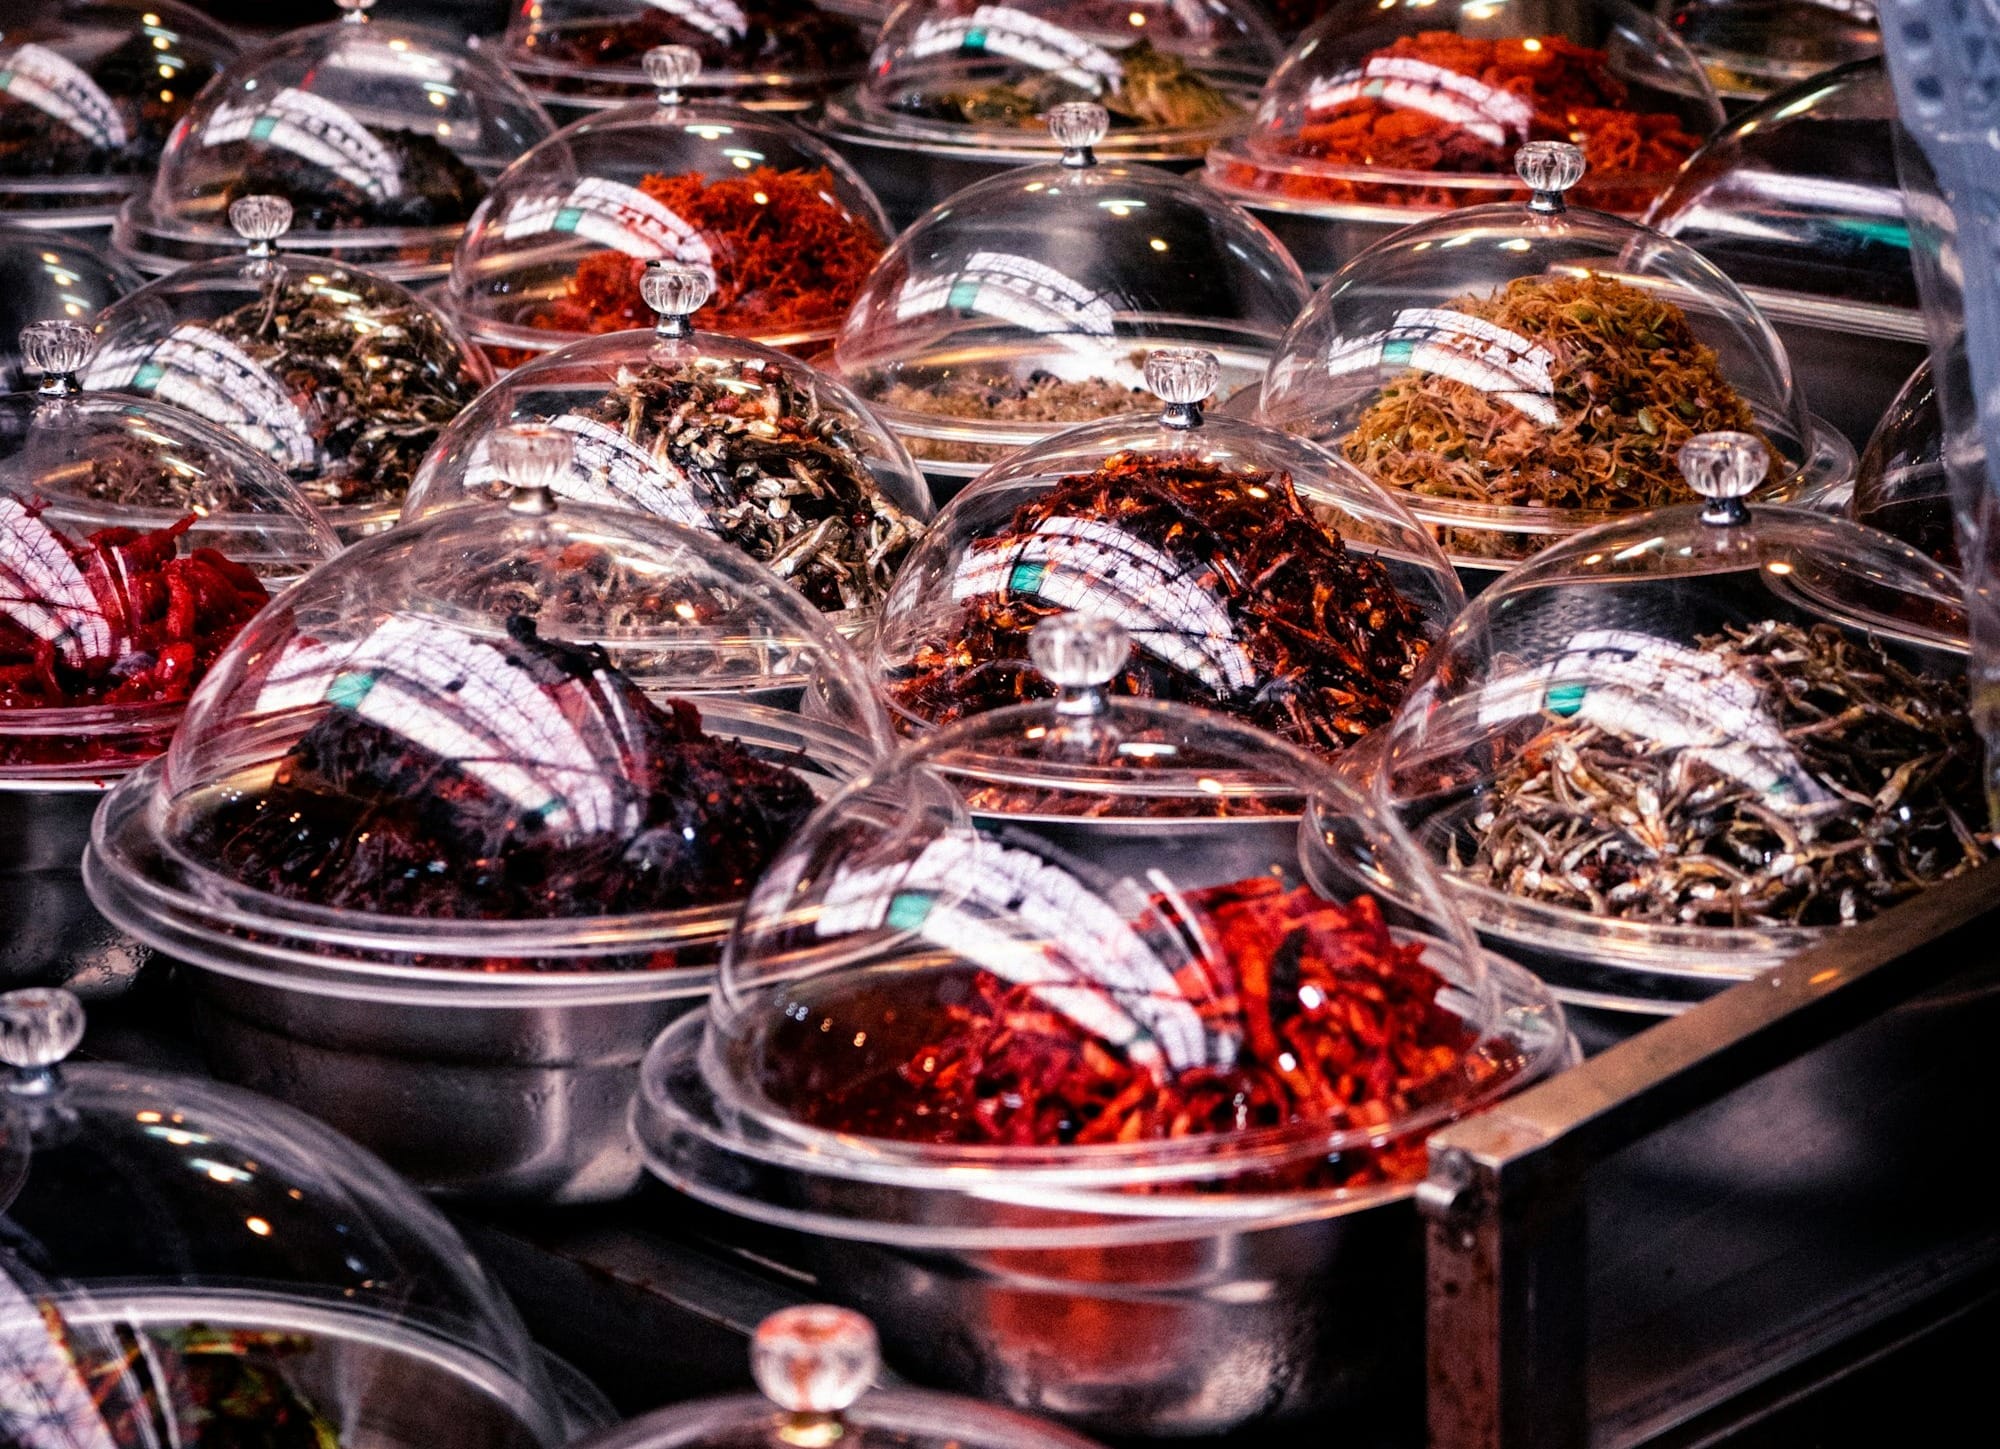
119 618
787 257
1329 1021
1502 92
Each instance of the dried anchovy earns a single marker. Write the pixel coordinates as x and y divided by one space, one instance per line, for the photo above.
1155 89
1631 383
1041 397
778 475
360 816
381 382
436 188
1331 643
1595 822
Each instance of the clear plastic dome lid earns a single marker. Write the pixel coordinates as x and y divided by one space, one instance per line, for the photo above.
1171 74
1517 373
135 542
1422 104
526 735
1800 194
786 230
969 961
1258 574
186 1263
815 1368
774 53
384 138
45 277
341 377
1686 743
740 442
1903 487
89 90
1028 301
1751 48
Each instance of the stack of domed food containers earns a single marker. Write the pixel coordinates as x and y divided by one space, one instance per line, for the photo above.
1028 301
958 89
1384 114
185 1263
461 820
1519 372
135 541
785 229
383 136
1039 1033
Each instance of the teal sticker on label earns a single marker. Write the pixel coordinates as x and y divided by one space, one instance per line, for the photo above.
975 40
1026 578
348 690
568 217
1398 351
149 376
263 128
962 294
908 910
1566 699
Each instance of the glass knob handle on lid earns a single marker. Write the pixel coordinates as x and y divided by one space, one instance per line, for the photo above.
355 12
1183 378
261 220
39 1028
1078 126
58 351
530 459
675 291
1549 168
671 69
814 1362
1724 468
1080 654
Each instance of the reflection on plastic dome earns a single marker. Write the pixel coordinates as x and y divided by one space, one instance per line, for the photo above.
1002 30
1082 951
1457 348
610 213
1089 566
1678 699
560 786
195 367
607 467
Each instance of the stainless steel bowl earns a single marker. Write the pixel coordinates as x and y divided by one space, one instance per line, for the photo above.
54 935
473 1100
1170 1313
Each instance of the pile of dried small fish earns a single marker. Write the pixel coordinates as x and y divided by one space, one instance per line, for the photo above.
1041 397
1877 771
767 468
380 377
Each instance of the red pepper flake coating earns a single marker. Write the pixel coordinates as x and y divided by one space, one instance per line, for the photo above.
1331 1021
366 817
1572 94
1318 646
788 257
120 618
